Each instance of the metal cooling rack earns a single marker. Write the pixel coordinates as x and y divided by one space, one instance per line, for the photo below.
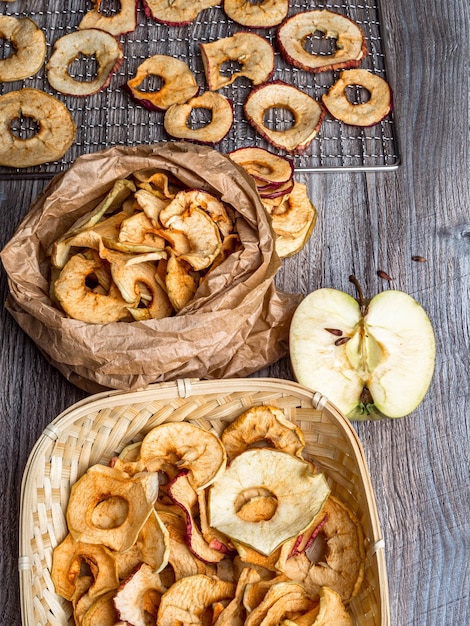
111 117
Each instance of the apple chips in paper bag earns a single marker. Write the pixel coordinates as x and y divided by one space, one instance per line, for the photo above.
236 324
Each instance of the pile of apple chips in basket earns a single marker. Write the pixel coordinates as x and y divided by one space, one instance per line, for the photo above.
189 527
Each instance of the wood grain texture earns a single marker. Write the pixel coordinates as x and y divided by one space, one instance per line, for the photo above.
420 465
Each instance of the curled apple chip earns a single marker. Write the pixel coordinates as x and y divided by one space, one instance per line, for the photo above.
90 42
188 598
185 201
67 560
295 215
300 496
349 41
367 113
253 53
29 48
178 82
262 423
101 612
283 600
178 118
181 282
176 12
123 22
184 445
264 166
330 610
263 14
342 567
99 484
306 111
56 128
138 595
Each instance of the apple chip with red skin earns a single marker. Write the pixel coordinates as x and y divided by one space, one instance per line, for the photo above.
254 54
29 48
176 12
368 113
177 120
139 595
263 14
107 50
179 84
293 35
306 111
118 24
264 166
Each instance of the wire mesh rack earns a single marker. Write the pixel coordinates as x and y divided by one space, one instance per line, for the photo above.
111 117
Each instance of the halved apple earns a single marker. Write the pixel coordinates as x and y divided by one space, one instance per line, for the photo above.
370 358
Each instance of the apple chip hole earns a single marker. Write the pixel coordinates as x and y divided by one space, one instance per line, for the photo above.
110 512
229 67
6 48
151 84
357 94
84 68
199 118
320 45
108 8
318 549
24 127
278 119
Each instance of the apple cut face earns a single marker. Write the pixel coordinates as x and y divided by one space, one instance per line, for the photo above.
375 360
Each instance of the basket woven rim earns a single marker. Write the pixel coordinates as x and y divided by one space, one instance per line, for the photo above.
186 388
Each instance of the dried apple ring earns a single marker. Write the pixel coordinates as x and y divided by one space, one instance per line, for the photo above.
56 128
91 42
179 84
367 113
29 45
176 12
255 55
306 111
178 116
293 35
118 24
264 14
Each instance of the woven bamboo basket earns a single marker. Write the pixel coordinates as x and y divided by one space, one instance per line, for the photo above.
95 429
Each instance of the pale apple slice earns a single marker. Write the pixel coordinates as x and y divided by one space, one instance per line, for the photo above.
176 12
293 34
371 359
29 48
254 54
306 111
261 14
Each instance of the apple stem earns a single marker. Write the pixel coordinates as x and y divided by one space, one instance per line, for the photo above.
360 294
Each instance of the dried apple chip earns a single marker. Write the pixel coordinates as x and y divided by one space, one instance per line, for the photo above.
331 610
306 111
367 113
104 47
29 48
349 41
178 82
123 22
181 282
184 445
300 495
100 483
176 12
263 14
56 128
264 166
254 54
177 120
185 201
139 595
101 612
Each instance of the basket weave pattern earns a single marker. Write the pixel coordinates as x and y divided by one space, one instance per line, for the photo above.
96 429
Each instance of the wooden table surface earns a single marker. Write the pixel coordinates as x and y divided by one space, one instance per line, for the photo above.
420 464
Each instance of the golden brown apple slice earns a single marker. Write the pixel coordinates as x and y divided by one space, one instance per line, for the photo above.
254 54
90 43
264 166
366 113
178 116
263 14
293 36
118 24
176 12
307 113
29 48
179 84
